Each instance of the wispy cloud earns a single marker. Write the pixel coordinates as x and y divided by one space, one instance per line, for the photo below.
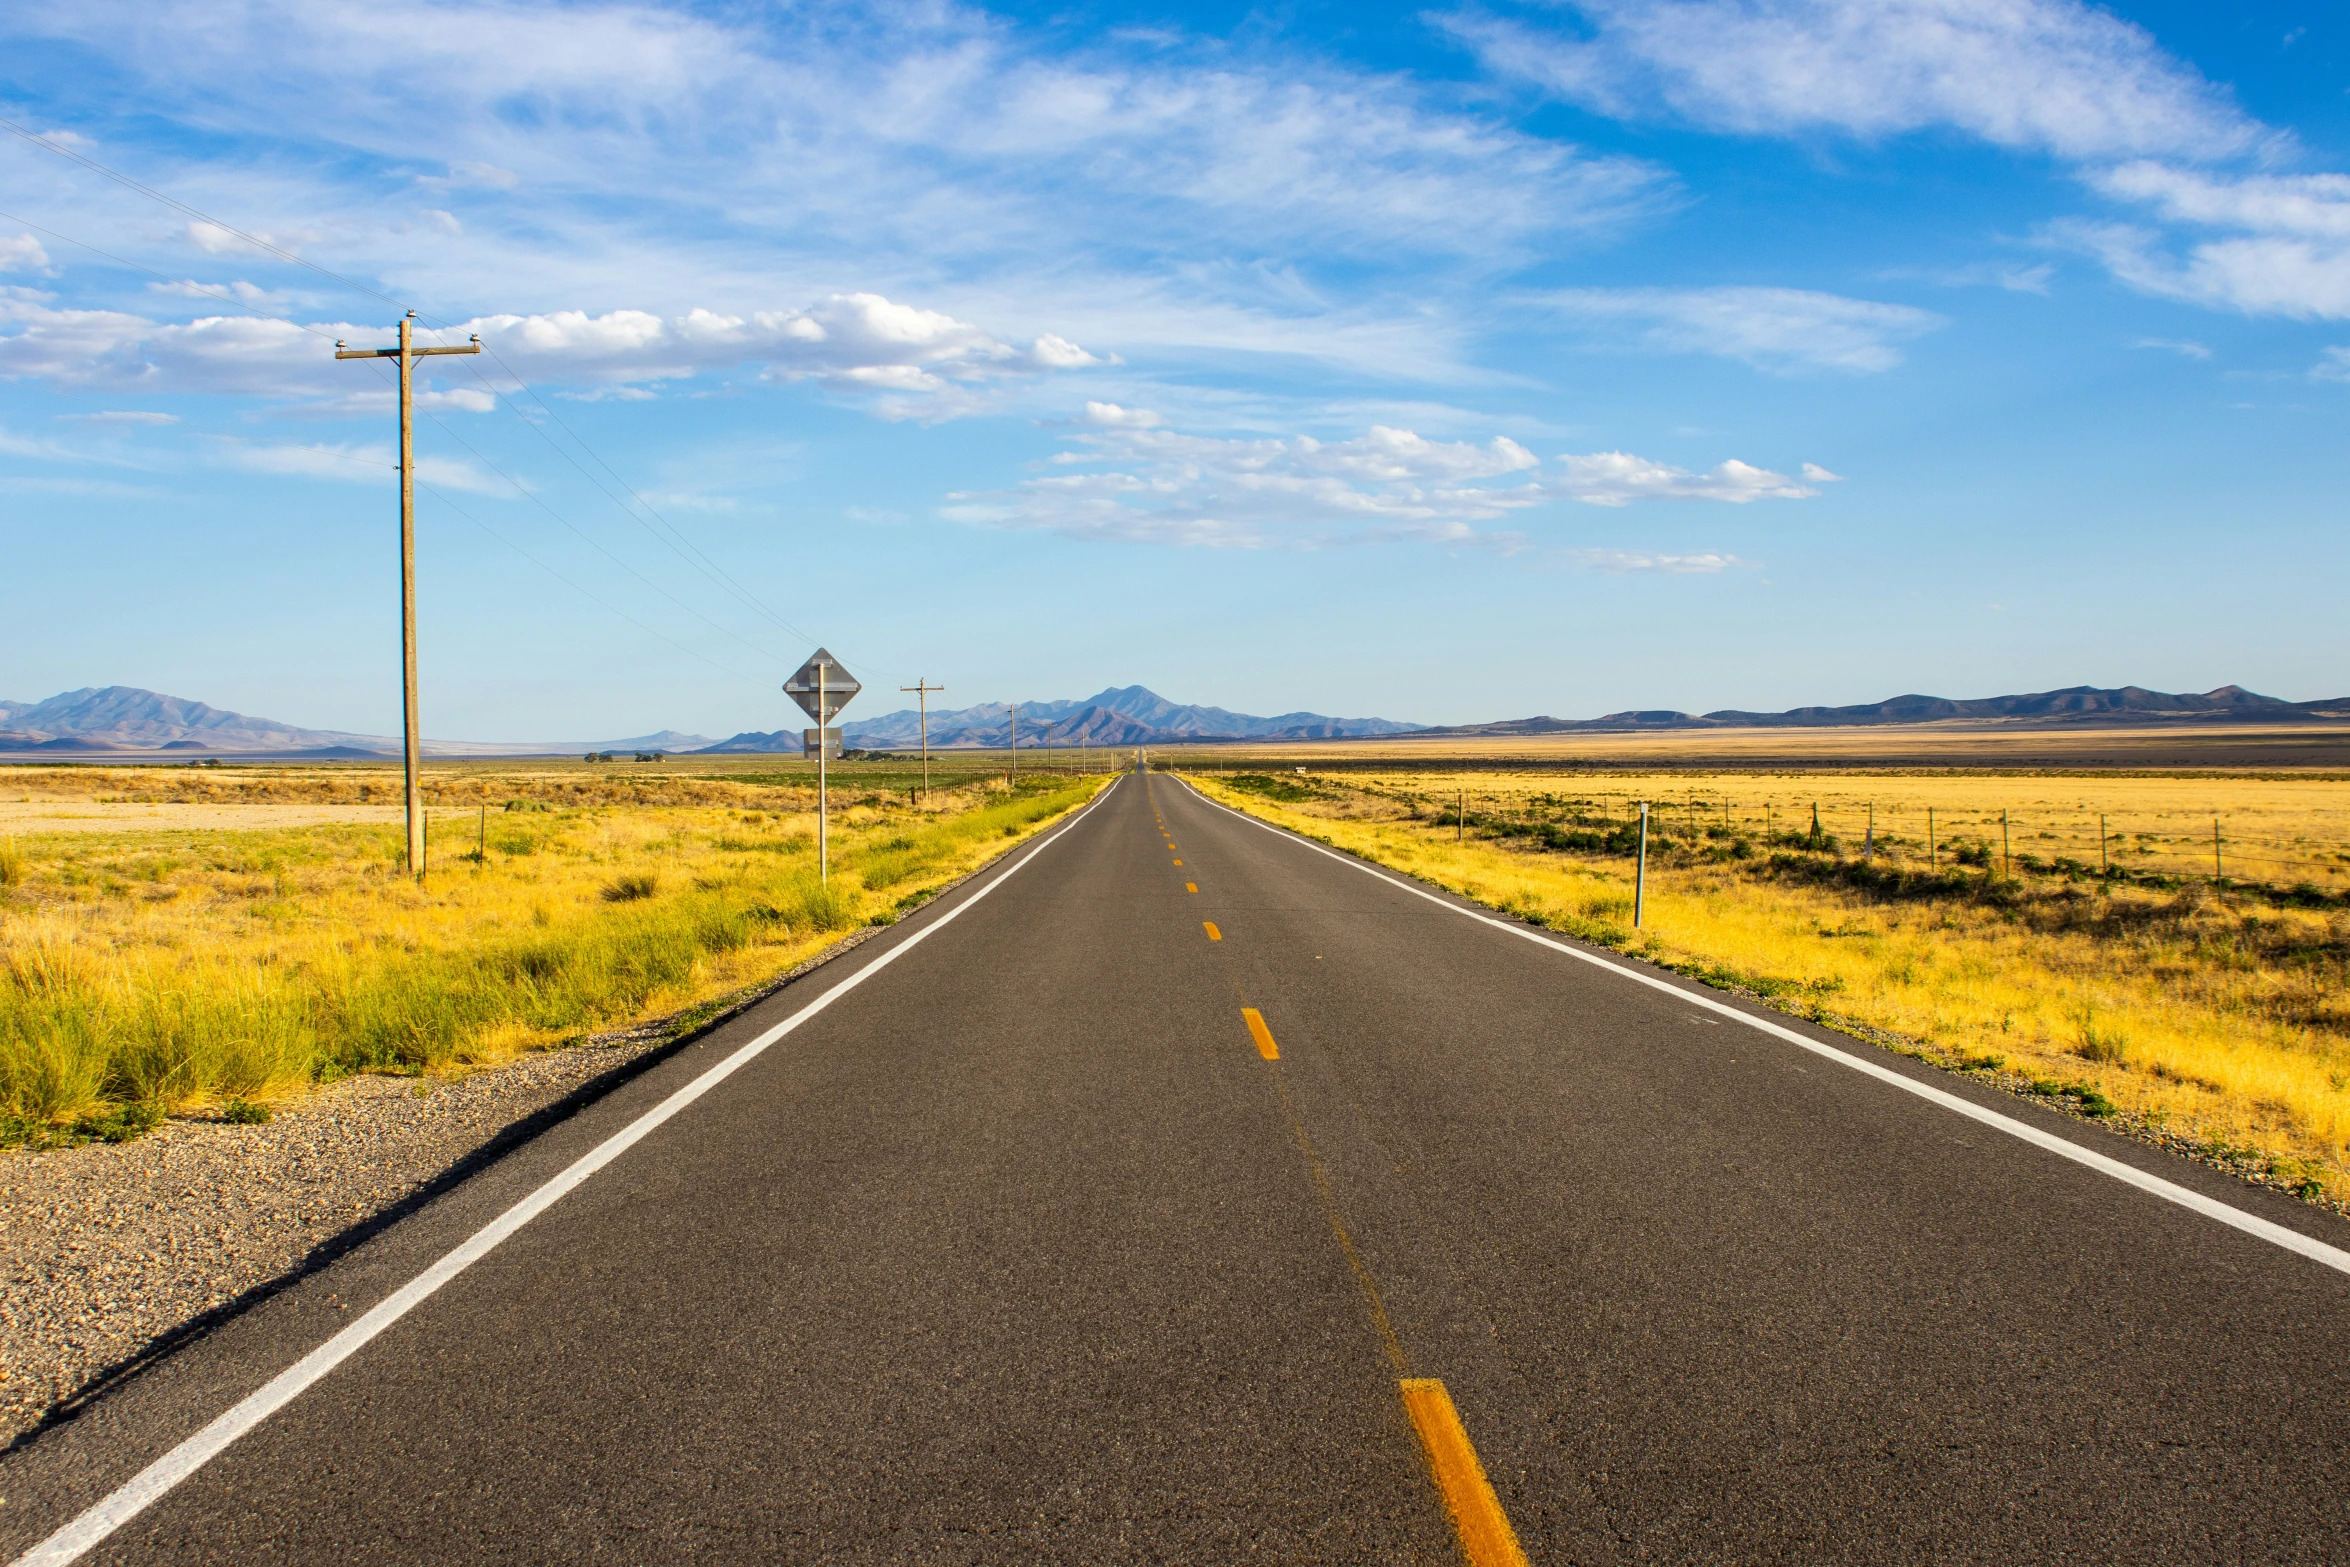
2282 245
1615 562
2185 347
1779 329
2054 76
1135 480
672 160
351 464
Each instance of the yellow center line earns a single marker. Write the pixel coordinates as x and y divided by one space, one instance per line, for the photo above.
1178 862
1260 1033
1191 886
1487 1540
1213 933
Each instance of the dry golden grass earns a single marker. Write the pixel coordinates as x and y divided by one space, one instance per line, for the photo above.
2220 1013
181 969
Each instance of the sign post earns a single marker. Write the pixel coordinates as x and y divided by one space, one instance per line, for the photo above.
822 688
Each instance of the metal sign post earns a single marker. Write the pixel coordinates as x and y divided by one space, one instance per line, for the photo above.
822 688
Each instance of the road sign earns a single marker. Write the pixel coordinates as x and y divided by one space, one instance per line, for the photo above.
831 742
838 685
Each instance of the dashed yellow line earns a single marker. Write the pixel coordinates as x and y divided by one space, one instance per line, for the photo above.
1213 933
1179 864
1191 886
1487 1540
1260 1033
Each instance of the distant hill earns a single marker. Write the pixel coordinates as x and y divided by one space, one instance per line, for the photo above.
126 718
2073 704
1122 715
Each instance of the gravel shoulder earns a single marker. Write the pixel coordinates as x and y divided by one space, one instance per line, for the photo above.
107 1248
110 1252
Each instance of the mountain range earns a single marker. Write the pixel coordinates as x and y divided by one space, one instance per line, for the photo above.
125 718
2072 705
116 719
1122 715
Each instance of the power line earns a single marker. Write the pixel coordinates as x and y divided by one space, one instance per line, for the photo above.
586 593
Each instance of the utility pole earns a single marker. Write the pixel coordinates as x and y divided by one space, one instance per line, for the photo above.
407 354
923 686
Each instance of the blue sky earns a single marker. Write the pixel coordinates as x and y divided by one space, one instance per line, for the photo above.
1446 362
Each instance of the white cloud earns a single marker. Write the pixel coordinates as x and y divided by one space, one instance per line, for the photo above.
2047 75
1819 475
243 293
2334 366
22 253
848 341
2015 279
2177 345
1781 329
2284 248
1619 478
1114 196
1620 561
352 464
128 416
1147 484
1111 416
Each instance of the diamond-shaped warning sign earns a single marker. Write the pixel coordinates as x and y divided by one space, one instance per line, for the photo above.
822 687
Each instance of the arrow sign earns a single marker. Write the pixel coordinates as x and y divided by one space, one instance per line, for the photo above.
839 686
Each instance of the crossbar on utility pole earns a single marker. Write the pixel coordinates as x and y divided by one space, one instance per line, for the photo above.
922 684
412 746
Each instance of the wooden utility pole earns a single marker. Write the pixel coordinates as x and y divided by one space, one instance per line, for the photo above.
407 354
922 685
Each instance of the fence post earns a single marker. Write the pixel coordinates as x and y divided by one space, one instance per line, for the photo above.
1640 875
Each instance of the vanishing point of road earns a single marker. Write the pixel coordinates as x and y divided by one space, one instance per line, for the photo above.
1177 1191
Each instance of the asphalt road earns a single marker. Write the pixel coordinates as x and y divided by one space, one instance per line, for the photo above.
1024 1251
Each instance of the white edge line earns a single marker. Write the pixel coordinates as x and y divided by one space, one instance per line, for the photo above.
2169 1191
158 1478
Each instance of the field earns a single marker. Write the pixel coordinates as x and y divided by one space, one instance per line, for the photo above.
2070 935
158 958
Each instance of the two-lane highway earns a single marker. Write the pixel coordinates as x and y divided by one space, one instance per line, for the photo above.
1162 1196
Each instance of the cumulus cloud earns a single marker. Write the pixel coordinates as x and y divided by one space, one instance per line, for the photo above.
22 253
1619 479
1778 329
2055 76
1144 483
853 342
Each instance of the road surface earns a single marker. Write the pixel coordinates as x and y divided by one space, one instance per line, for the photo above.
1110 1208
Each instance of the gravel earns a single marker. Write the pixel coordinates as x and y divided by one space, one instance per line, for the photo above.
106 1248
